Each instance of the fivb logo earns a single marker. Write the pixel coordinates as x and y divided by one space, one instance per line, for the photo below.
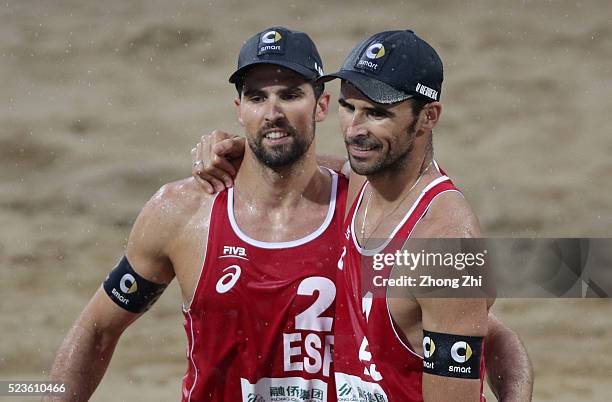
234 251
270 42
372 58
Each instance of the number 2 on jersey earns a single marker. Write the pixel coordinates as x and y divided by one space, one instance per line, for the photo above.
310 319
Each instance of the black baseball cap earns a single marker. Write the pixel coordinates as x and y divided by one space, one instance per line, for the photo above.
283 47
393 66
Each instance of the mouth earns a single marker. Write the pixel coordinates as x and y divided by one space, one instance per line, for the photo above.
362 151
276 137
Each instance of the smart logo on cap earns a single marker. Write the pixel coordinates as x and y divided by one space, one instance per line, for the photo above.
372 58
375 51
271 42
271 37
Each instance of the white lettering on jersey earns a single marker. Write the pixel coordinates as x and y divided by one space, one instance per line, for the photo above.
310 318
366 305
341 260
364 354
234 251
311 352
316 351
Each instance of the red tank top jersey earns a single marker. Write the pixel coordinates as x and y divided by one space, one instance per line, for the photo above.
372 361
260 325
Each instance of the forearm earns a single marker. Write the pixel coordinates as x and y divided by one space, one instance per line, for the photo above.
509 370
81 362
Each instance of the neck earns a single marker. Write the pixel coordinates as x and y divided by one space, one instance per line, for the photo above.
258 184
396 181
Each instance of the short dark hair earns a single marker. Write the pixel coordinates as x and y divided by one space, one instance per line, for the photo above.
317 87
418 104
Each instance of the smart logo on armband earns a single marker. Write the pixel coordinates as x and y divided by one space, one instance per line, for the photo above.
129 290
128 284
461 352
429 347
451 355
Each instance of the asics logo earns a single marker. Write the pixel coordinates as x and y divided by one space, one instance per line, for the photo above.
227 281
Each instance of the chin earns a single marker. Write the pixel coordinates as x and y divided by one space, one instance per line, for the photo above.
361 168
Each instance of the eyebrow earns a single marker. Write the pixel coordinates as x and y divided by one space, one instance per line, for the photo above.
253 92
298 90
380 110
289 90
377 109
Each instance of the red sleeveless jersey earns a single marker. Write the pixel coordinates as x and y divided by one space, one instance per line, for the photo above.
260 324
373 362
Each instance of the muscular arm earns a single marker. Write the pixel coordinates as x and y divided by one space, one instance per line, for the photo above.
467 317
85 353
450 217
509 370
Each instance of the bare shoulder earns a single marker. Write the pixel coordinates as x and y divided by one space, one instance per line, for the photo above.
181 198
449 215
164 216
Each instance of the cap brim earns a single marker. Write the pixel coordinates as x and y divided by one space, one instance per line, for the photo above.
298 68
372 88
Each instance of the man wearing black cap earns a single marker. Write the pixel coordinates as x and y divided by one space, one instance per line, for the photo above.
256 263
388 108
414 347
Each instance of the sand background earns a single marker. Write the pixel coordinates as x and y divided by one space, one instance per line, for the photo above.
100 103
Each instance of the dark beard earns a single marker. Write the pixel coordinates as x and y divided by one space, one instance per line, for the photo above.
281 155
386 163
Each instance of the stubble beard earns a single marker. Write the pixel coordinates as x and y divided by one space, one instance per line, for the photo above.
281 155
388 162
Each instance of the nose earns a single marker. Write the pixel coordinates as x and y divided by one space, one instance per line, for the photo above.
356 127
274 110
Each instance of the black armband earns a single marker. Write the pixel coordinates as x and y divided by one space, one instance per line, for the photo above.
130 290
452 355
